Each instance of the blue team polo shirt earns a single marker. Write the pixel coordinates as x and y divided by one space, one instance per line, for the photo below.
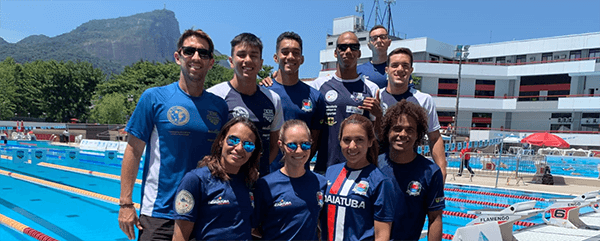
420 189
263 108
375 72
178 130
288 208
219 209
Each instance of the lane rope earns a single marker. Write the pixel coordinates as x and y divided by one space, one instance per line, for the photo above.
496 194
19 227
65 188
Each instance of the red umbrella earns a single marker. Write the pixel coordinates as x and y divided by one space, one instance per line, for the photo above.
545 139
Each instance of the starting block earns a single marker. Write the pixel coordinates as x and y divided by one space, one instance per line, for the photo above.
565 212
496 224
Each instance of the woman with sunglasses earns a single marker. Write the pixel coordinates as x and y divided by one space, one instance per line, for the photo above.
214 201
359 202
288 201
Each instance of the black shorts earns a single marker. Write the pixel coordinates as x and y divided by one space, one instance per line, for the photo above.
156 228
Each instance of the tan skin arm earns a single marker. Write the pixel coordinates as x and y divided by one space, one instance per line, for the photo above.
437 151
273 147
382 230
373 105
129 169
182 230
434 231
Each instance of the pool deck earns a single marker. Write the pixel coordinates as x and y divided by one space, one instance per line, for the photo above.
563 184
566 186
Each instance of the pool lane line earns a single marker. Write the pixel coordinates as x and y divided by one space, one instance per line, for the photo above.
25 229
65 188
477 202
78 170
84 171
496 194
473 216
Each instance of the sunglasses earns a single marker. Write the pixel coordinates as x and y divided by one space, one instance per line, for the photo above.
382 37
247 145
190 51
343 47
305 146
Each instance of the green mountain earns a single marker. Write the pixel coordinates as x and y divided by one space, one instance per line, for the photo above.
109 44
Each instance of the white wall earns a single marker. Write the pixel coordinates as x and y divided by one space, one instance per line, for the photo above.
531 121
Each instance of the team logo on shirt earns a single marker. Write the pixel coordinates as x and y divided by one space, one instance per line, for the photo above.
252 199
320 197
361 188
184 202
331 95
331 121
307 105
268 114
213 117
414 188
357 97
240 111
439 199
219 201
178 115
282 203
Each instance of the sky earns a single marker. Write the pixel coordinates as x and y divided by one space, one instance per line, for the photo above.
453 22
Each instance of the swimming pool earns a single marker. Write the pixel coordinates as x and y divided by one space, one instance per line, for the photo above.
67 215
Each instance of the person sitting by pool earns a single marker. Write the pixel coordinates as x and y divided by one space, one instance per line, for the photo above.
214 200
360 202
288 201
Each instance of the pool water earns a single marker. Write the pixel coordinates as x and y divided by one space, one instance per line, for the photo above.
69 216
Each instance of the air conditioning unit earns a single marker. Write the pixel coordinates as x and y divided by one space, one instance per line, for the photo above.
570 120
587 121
531 59
559 120
595 120
556 57
508 61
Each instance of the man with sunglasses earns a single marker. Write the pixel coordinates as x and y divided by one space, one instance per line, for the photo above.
346 92
177 124
379 42
299 100
245 98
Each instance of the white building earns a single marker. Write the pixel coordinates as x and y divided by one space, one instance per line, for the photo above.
530 85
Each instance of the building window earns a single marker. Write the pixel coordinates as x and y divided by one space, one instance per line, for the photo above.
575 54
560 127
594 53
487 60
447 87
330 44
485 88
362 39
446 117
555 85
473 60
521 58
500 60
561 115
434 58
547 57
590 115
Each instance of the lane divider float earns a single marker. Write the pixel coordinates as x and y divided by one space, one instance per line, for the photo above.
19 227
65 188
496 194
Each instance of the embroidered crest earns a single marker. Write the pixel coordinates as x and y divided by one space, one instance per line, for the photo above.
358 97
307 105
282 203
361 188
178 115
414 188
331 95
268 114
213 117
331 121
240 111
184 202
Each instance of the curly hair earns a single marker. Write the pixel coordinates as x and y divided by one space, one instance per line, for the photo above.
366 125
392 117
213 161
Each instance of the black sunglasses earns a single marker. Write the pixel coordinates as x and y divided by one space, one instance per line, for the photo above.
203 53
343 47
305 146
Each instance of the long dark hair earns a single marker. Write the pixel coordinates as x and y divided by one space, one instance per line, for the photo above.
367 125
213 161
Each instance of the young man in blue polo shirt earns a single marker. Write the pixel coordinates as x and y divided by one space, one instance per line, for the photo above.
245 98
299 100
177 124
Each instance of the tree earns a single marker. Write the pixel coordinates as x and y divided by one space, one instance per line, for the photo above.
9 72
218 73
111 109
265 72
